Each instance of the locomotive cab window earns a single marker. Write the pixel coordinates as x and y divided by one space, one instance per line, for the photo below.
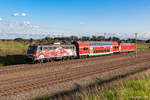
41 48
32 49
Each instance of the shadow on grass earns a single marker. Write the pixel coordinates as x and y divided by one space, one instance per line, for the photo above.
12 60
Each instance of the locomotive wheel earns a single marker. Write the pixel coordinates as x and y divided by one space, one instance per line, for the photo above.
70 57
49 60
63 58
35 62
41 60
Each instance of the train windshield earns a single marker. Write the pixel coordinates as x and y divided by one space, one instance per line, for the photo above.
32 49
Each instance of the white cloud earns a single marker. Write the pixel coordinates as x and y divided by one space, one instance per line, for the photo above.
1 19
24 14
16 14
35 26
82 23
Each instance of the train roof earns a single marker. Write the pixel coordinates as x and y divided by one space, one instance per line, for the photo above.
126 43
95 42
51 45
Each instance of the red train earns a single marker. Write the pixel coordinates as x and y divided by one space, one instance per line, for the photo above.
40 53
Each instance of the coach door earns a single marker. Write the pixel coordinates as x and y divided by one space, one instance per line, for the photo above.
91 50
111 49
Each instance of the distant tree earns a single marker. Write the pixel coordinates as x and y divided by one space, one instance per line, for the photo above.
109 39
75 38
116 39
85 38
19 39
48 39
101 38
148 41
131 40
94 38
67 38
31 40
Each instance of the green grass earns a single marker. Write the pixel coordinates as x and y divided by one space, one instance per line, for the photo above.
12 52
133 90
138 89
12 47
143 46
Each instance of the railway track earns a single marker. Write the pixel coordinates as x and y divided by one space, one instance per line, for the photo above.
45 79
35 76
25 67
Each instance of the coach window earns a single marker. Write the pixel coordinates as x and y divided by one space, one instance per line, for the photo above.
51 48
85 49
115 47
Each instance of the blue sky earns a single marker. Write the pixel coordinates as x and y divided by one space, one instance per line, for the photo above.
74 16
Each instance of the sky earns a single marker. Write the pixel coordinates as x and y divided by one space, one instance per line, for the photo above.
39 18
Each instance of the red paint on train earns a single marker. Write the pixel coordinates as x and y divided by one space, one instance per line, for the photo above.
77 49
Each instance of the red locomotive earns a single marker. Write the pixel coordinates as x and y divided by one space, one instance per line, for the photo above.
40 53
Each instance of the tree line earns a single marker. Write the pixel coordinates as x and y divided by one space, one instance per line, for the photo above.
76 38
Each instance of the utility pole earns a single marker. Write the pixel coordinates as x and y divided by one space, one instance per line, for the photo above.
136 42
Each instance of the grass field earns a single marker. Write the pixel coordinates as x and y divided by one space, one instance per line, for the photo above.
143 46
137 89
12 52
133 90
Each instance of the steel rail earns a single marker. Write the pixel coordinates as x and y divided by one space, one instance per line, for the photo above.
66 77
35 76
12 69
